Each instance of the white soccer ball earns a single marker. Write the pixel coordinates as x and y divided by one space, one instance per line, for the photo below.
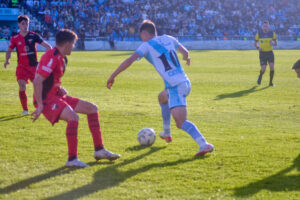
146 137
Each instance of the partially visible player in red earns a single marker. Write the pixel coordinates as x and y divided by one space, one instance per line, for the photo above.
52 100
25 43
296 67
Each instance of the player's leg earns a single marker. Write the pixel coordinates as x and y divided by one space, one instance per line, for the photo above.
23 96
261 73
177 99
166 116
91 110
263 66
71 117
271 64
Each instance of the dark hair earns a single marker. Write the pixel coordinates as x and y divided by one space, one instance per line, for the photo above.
65 35
22 17
148 26
266 22
296 65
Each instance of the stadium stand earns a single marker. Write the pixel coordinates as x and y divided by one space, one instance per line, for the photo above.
187 20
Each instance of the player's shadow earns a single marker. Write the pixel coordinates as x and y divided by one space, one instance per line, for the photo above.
11 117
27 182
239 93
277 183
122 54
111 176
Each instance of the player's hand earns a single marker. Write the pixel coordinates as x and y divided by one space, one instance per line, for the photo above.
35 115
188 61
62 92
6 63
110 82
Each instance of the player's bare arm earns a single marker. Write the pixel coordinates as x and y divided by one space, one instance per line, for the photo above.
7 58
38 87
256 46
121 68
185 54
273 43
46 45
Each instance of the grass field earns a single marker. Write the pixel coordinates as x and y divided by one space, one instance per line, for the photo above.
255 131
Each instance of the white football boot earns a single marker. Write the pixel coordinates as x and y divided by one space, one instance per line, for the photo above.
105 154
25 112
76 163
166 137
207 148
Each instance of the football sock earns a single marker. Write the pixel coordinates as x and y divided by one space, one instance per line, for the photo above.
23 99
260 77
94 125
271 76
192 129
71 133
166 115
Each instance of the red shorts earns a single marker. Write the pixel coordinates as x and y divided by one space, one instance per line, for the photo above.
25 73
53 106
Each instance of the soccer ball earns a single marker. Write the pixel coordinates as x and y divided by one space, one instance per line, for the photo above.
146 137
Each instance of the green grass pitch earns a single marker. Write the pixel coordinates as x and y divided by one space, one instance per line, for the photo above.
255 131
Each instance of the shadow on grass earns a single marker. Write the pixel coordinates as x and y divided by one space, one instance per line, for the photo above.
277 183
27 182
11 117
122 54
239 93
111 176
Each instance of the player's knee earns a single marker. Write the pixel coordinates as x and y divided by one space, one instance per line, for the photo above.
22 87
93 108
163 97
73 117
179 123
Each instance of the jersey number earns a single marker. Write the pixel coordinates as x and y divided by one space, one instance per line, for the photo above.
174 59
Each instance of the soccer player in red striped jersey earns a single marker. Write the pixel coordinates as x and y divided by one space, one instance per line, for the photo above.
25 43
52 100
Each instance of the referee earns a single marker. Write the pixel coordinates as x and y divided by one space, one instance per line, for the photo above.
266 39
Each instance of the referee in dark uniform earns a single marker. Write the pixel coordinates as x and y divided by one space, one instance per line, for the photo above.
266 39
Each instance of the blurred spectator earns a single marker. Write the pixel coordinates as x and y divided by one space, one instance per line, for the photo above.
207 19
14 32
6 32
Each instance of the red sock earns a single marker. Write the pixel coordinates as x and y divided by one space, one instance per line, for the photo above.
71 134
23 99
94 125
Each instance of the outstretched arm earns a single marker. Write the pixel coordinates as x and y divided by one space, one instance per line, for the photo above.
8 55
185 54
46 45
38 87
121 68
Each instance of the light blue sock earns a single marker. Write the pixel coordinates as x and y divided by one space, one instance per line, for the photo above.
166 115
192 129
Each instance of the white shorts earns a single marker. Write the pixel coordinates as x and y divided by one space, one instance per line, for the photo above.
178 94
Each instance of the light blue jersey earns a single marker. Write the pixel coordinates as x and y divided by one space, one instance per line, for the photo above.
160 51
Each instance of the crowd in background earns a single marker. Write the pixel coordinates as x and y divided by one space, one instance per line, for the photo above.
196 19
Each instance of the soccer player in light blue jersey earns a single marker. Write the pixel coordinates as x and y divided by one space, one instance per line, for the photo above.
160 51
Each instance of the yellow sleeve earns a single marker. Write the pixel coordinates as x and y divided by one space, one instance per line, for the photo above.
257 37
274 36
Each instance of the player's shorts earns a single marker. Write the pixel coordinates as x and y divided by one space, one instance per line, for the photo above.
53 106
266 57
25 73
178 94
